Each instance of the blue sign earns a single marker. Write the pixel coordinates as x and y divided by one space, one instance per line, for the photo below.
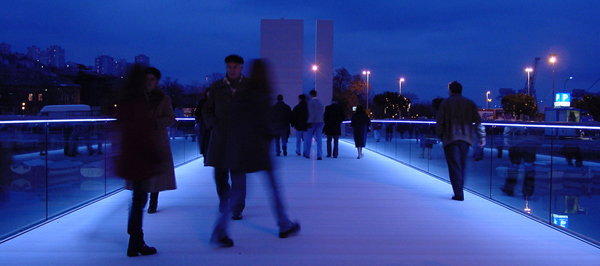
562 97
560 220
562 100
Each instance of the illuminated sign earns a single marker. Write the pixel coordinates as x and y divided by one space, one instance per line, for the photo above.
562 100
560 220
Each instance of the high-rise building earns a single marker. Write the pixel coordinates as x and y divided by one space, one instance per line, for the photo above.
121 68
55 56
105 65
142 60
282 44
5 48
324 60
35 53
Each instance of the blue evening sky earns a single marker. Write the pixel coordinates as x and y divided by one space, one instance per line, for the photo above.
485 45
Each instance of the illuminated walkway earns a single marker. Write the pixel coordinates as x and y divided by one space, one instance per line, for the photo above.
372 211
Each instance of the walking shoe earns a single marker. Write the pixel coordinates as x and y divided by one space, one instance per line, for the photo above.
292 231
457 198
143 250
221 241
236 216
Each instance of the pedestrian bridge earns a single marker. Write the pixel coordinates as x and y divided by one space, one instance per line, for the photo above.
372 211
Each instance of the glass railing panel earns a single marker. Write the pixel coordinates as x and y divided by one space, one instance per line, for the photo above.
378 141
389 147
423 146
52 166
575 184
478 167
189 134
22 176
522 177
75 164
548 171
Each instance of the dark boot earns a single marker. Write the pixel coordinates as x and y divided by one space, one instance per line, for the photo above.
153 202
138 247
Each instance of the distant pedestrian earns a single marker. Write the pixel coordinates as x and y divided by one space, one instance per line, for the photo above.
299 122
202 131
377 131
458 127
333 118
315 129
282 116
389 131
360 123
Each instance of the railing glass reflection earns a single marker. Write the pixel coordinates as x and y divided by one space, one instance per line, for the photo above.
550 172
48 167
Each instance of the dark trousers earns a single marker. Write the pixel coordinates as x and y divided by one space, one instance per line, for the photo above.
230 197
526 155
456 157
136 213
281 140
277 204
335 140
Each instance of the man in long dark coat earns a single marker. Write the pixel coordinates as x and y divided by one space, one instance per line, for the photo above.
333 118
282 116
217 117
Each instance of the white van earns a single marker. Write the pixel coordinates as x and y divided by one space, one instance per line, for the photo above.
65 110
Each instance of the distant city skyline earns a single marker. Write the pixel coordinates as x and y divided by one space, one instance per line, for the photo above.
485 45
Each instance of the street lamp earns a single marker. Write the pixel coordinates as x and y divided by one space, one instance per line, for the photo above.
564 85
367 72
553 61
528 80
400 80
488 99
315 68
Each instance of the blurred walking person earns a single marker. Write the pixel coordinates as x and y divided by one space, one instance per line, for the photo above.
143 115
248 148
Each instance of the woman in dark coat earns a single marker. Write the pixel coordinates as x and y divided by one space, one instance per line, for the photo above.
145 161
360 124
163 117
248 147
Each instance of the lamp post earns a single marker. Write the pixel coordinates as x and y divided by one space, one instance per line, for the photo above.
367 72
400 80
553 61
315 68
528 70
564 85
488 99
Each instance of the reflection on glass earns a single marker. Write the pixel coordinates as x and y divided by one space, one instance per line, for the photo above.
49 167
548 171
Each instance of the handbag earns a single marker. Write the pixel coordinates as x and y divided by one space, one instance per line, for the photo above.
477 153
